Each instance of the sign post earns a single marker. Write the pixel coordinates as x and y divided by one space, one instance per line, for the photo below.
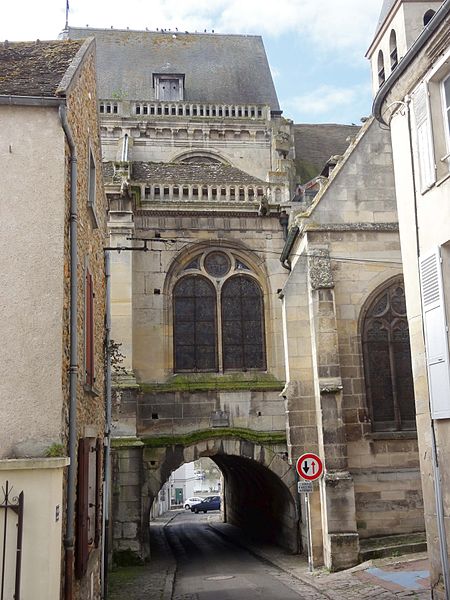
310 468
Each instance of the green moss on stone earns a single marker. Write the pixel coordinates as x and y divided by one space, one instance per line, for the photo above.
199 383
127 558
257 437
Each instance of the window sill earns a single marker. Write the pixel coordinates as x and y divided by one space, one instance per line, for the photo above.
392 435
92 390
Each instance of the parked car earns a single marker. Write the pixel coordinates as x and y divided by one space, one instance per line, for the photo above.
190 502
209 503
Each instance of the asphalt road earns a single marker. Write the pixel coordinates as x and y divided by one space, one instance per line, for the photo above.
210 567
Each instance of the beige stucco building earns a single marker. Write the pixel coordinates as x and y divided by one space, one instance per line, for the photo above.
414 101
53 222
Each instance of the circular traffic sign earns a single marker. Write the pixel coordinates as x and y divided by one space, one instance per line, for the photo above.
309 466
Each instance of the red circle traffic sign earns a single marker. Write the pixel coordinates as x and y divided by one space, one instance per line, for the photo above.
309 466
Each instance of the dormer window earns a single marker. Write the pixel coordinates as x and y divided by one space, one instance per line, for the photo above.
381 72
168 87
428 16
393 50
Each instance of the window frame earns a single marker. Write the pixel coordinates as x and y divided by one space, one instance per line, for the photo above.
92 186
194 265
393 49
390 325
159 77
381 68
445 104
89 501
89 329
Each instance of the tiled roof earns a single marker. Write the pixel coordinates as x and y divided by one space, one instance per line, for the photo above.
34 68
217 68
315 144
185 173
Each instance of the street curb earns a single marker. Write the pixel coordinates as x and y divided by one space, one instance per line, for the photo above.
172 570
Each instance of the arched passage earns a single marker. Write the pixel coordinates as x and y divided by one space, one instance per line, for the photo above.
260 493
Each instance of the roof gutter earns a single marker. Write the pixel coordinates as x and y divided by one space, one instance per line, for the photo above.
421 41
31 100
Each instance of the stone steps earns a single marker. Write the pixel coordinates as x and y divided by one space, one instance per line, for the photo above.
392 545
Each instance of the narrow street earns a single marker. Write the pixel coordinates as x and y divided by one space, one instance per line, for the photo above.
209 566
197 557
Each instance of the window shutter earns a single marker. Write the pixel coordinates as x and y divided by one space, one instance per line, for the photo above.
81 541
89 330
436 340
98 490
424 140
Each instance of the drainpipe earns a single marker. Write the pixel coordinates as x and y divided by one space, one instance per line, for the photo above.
69 539
107 440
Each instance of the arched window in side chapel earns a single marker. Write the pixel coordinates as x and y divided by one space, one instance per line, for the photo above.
387 361
218 315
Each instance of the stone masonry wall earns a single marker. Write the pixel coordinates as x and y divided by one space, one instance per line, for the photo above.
82 117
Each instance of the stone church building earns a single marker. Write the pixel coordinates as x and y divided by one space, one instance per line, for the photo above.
257 296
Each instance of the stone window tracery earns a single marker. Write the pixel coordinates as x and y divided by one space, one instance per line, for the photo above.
218 315
387 361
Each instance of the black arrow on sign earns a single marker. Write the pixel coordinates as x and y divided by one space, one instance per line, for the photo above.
306 467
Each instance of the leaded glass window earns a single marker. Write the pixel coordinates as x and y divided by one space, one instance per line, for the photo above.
218 315
195 325
242 324
387 361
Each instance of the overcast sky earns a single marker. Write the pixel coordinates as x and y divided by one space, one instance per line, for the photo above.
315 47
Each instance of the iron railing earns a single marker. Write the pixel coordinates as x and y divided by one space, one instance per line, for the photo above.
12 503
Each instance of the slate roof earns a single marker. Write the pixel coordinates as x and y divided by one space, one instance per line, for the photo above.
184 173
315 144
217 68
385 10
35 68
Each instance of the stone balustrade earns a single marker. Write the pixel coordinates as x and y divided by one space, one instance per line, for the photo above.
187 110
196 192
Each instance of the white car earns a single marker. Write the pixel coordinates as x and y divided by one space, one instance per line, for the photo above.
192 502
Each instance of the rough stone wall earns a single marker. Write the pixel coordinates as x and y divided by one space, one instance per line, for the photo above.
82 117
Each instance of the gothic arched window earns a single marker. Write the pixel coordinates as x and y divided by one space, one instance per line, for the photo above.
195 318
242 324
218 315
387 361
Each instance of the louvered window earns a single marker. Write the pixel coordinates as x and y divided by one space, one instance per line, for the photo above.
436 337
218 316
387 361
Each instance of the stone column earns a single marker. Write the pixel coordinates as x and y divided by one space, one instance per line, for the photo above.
299 395
340 536
121 227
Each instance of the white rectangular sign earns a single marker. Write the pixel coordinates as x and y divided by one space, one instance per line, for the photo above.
305 487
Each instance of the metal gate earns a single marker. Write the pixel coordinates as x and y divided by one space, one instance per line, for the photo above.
10 505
